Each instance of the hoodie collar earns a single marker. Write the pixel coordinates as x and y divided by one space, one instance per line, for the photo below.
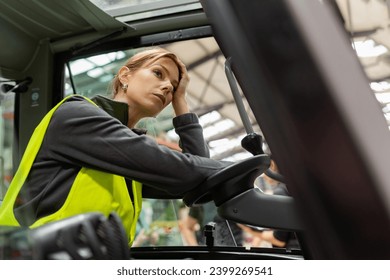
116 109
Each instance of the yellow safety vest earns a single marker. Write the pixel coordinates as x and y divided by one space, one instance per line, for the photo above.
91 191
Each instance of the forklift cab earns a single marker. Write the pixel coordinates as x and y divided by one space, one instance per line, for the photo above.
283 78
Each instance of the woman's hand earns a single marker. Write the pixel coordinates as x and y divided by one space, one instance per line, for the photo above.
179 101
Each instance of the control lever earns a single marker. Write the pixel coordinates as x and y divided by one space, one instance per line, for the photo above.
252 142
208 232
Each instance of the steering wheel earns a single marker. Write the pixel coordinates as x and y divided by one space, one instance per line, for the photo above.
228 182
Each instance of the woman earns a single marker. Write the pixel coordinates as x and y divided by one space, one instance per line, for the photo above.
86 156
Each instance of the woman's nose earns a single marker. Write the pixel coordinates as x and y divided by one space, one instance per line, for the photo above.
167 87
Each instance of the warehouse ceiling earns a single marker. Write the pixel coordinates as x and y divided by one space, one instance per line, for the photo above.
365 21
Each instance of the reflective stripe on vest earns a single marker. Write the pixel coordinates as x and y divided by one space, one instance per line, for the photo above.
91 191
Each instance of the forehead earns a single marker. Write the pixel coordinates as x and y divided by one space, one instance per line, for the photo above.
166 63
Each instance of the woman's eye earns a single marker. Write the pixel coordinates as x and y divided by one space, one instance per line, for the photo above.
157 73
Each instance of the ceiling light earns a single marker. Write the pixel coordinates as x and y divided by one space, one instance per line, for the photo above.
383 97
368 48
94 73
81 66
100 60
380 86
218 127
209 118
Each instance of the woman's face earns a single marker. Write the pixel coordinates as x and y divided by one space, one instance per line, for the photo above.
151 88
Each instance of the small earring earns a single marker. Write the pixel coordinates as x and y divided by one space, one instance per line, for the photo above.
124 87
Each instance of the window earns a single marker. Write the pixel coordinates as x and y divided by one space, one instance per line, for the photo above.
209 96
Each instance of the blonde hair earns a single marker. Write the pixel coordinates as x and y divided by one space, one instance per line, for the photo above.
138 60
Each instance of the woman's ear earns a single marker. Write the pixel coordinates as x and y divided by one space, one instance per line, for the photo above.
123 73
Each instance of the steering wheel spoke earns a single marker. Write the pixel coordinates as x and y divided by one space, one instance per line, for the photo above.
229 182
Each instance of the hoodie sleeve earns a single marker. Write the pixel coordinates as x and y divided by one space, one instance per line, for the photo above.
190 132
84 135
